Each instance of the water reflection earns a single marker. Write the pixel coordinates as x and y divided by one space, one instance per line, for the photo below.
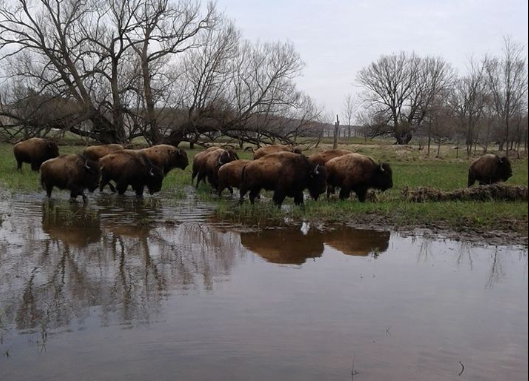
293 247
163 270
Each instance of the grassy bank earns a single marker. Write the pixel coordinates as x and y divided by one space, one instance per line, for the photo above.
411 167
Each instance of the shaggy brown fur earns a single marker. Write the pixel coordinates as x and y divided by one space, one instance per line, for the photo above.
167 157
230 175
132 168
287 174
208 163
35 151
72 172
323 157
97 152
261 152
489 169
357 173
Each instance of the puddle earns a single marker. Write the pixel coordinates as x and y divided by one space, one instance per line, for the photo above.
126 289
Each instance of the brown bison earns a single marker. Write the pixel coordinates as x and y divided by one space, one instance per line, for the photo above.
167 157
261 152
287 174
489 169
97 152
130 168
323 157
75 173
230 175
357 173
207 164
35 151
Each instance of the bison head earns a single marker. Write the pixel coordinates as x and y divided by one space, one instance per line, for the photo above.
179 159
383 177
318 181
92 175
52 150
154 179
504 168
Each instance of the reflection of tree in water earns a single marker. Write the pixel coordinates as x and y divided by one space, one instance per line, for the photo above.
118 261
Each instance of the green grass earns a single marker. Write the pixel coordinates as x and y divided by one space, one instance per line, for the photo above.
411 168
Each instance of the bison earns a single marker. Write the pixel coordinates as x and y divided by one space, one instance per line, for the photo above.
206 164
261 152
230 175
35 151
323 157
489 169
287 174
130 168
357 173
167 157
75 173
97 152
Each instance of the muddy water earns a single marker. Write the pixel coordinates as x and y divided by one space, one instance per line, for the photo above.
151 290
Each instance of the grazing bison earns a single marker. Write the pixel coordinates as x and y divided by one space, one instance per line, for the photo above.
75 173
261 152
358 173
167 157
489 169
130 168
97 152
323 157
287 174
35 151
230 175
208 163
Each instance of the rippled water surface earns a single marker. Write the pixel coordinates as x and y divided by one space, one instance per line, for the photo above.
126 289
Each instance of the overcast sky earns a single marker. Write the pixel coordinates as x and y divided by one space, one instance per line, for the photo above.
337 38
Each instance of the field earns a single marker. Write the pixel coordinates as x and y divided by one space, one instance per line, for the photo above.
412 169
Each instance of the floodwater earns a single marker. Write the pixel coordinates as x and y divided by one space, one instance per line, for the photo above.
126 289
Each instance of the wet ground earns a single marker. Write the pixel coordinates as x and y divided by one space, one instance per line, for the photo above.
126 289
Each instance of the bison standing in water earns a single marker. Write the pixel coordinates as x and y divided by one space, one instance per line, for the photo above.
261 152
97 152
358 173
167 157
230 175
208 163
35 151
287 174
323 157
75 173
489 169
130 168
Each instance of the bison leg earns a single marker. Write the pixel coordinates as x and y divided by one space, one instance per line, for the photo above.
122 188
345 193
253 195
471 180
19 165
139 190
49 189
298 199
35 166
201 177
279 197
362 194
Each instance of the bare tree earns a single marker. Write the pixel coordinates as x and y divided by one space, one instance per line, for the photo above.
400 89
507 81
468 101
349 110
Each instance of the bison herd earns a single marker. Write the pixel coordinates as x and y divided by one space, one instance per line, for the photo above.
283 170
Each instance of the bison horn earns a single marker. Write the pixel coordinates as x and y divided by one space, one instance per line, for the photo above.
317 170
86 165
151 173
502 160
382 168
